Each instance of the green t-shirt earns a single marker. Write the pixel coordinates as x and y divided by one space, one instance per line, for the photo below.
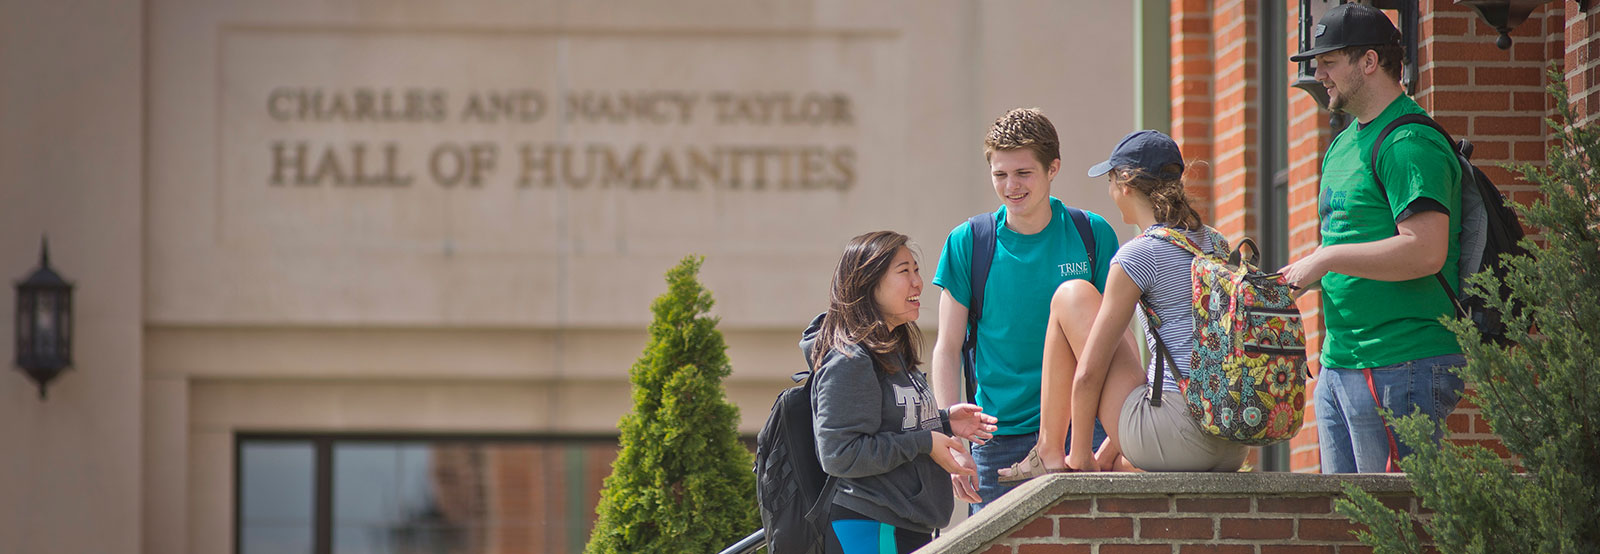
1016 304
1377 323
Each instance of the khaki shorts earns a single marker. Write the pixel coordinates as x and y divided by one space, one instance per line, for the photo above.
1167 439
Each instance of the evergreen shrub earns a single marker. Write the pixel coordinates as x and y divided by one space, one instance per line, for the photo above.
682 482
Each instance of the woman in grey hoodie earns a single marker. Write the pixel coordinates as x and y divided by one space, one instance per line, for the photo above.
879 429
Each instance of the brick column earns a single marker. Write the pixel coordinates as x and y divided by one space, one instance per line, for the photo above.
1582 57
1192 106
1237 87
1214 90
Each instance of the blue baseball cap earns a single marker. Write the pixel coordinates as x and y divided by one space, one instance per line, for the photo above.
1147 150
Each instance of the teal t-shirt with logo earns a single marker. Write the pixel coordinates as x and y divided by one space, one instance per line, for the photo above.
1025 273
1374 323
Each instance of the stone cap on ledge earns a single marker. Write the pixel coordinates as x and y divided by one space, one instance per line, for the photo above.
1034 497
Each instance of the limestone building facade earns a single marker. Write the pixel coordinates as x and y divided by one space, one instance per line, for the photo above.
367 276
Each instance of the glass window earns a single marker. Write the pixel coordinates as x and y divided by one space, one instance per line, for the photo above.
440 495
366 497
277 486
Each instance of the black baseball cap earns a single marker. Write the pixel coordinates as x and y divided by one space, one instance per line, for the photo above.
1146 150
1349 25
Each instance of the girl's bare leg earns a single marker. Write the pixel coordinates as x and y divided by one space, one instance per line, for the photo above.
1072 313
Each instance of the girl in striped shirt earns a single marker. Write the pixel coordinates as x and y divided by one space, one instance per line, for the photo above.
1091 365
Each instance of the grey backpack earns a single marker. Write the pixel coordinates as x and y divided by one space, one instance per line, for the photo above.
1490 230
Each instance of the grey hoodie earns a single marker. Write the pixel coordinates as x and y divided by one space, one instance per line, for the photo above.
874 432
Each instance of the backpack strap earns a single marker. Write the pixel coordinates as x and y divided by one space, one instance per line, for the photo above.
1219 244
1406 119
816 516
1457 149
984 228
1162 355
1176 238
1164 358
818 511
983 244
1086 233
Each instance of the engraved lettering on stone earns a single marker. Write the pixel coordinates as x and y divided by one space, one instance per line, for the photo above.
734 166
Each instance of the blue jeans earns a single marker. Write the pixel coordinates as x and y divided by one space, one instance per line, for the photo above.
1004 450
1351 434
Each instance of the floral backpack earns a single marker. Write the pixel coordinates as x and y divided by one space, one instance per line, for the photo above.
1247 376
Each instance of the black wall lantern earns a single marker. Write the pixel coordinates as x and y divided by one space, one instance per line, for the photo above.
44 322
1505 15
1312 10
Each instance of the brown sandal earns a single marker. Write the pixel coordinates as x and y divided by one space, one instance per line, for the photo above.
1030 467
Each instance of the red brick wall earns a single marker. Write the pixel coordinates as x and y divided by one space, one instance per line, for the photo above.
1495 98
1165 524
1582 59
1492 97
1193 107
1215 85
1236 90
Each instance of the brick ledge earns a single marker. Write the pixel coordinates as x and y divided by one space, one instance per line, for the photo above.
1034 497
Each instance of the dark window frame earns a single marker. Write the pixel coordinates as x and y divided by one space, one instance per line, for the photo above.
1272 36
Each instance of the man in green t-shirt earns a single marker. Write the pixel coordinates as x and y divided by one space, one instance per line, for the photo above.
1384 345
1036 250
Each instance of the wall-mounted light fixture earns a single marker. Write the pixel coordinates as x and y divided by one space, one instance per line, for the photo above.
1312 11
1505 15
44 322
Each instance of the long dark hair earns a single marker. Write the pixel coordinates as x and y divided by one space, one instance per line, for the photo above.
1167 196
853 316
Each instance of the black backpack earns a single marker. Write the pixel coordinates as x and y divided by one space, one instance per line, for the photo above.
1490 230
791 488
983 237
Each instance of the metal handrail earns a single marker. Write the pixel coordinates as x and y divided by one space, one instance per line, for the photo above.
748 545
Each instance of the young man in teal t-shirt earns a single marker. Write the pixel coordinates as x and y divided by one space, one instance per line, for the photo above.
1036 250
1384 346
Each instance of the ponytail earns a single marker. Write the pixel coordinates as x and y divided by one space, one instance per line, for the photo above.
1165 190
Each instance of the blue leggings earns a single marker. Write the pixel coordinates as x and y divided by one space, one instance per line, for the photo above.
852 533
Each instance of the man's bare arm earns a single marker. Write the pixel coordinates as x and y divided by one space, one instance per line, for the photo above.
947 350
1418 250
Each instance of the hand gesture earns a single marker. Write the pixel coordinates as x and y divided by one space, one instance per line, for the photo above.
969 422
966 487
951 454
1307 272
